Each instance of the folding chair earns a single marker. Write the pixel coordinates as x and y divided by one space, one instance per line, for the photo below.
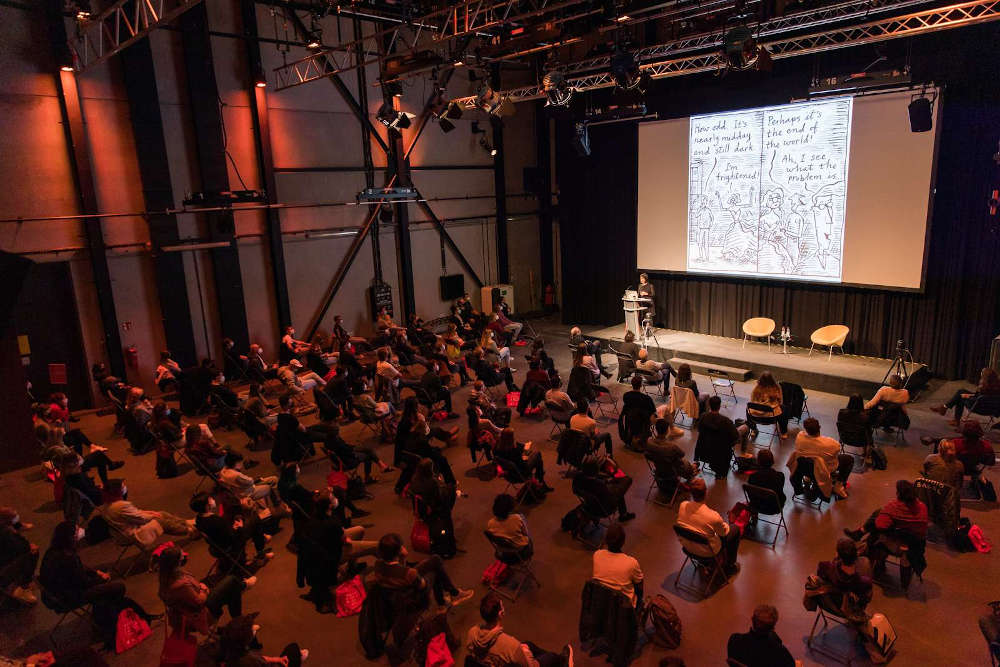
652 379
893 417
806 466
127 543
199 469
986 405
560 417
516 480
829 617
596 514
856 436
765 501
56 604
722 382
711 567
679 397
898 553
518 561
790 392
658 482
606 399
626 364
766 417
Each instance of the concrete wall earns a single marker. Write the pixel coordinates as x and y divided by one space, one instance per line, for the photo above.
311 126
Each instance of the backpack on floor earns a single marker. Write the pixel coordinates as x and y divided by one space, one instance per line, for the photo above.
571 520
882 633
666 622
879 460
130 630
350 597
987 490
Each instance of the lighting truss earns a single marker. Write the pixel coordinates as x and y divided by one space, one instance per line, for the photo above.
470 17
908 25
120 25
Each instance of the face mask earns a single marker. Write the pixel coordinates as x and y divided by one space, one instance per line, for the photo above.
222 379
16 520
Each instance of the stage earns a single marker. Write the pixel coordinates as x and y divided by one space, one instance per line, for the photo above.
843 374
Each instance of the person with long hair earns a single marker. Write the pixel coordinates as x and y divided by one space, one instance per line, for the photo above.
435 499
483 433
191 604
494 353
201 447
527 460
963 398
768 392
67 584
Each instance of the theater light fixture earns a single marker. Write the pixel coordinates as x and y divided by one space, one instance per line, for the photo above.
398 120
452 111
742 50
625 71
581 139
484 143
493 102
557 90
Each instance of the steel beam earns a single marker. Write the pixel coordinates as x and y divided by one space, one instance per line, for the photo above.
151 152
122 24
78 147
210 147
366 154
450 242
544 162
265 163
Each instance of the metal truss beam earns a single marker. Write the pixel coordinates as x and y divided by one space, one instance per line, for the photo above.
907 25
120 25
466 18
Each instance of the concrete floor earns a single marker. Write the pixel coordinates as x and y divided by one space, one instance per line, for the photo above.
936 621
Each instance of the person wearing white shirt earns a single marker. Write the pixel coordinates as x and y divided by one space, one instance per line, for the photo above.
695 515
810 443
616 570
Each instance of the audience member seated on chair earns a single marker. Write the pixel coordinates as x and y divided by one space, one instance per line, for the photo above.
637 412
418 444
221 394
698 516
558 396
508 525
847 579
19 558
202 449
761 646
489 645
768 392
536 383
668 459
479 396
234 364
765 476
631 348
144 526
318 361
945 467
892 394
684 379
242 485
190 603
527 460
582 421
616 570
609 491
582 383
393 573
855 415
238 645
963 398
292 441
67 584
591 352
972 449
430 382
491 375
717 435
350 456
810 443
259 368
495 354
483 433
167 372
296 383
257 406
229 533
139 407
900 522
644 363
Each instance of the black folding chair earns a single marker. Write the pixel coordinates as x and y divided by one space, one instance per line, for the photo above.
805 472
892 417
517 560
597 516
766 416
829 617
560 417
661 483
856 436
711 567
517 480
64 609
986 405
652 379
626 365
766 502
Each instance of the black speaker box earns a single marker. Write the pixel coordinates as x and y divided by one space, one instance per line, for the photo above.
920 115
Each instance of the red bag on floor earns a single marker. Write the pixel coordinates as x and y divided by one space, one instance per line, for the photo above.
420 536
496 573
350 597
513 398
179 649
438 653
130 631
739 516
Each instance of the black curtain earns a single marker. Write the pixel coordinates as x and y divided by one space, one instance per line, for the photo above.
948 326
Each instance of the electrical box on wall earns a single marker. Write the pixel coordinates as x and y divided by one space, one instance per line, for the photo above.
379 295
491 295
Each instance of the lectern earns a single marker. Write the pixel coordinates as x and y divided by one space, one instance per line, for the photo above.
633 306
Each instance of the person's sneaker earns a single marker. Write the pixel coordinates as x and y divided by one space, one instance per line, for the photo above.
547 488
628 516
249 582
462 595
940 409
24 596
854 534
452 415
567 654
115 465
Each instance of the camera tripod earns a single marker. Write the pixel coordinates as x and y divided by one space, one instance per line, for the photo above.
649 331
899 364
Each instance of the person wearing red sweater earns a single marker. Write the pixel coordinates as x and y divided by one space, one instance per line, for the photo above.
900 525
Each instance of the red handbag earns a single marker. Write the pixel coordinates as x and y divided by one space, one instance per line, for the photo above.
130 631
337 479
513 398
350 597
739 516
438 653
496 573
420 536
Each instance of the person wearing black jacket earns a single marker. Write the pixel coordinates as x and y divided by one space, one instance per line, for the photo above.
637 411
350 456
230 534
437 499
431 383
490 375
320 549
765 476
761 647
292 441
608 491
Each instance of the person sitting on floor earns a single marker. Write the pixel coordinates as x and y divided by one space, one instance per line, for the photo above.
761 646
695 515
717 435
490 645
766 477
144 526
505 523
616 570
668 459
607 490
527 460
810 443
582 421
901 522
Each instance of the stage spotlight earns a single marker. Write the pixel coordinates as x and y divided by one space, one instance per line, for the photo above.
485 143
558 92
581 139
388 116
741 49
451 112
493 102
625 72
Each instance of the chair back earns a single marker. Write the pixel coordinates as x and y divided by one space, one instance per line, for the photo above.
758 327
831 334
649 377
892 415
592 505
761 500
510 470
681 396
854 435
503 549
766 413
558 412
986 405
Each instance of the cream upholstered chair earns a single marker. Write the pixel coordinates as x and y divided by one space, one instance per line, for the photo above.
758 327
832 335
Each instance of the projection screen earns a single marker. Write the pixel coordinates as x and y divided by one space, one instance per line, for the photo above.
836 190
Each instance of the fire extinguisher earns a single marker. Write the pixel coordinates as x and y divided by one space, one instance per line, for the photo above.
132 357
549 298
